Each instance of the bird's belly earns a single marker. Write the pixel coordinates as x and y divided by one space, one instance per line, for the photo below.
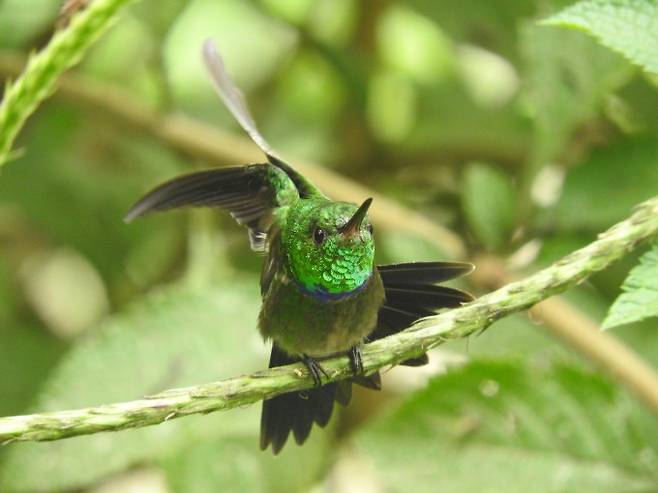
303 324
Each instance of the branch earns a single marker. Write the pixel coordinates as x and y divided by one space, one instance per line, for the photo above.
38 80
578 331
427 333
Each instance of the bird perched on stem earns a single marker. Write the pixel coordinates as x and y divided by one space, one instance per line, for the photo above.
322 292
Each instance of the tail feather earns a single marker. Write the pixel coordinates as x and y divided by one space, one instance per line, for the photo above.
297 411
344 392
372 381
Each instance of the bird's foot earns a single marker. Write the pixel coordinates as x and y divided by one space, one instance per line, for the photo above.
356 359
315 369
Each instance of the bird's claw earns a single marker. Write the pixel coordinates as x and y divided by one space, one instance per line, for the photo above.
356 360
315 369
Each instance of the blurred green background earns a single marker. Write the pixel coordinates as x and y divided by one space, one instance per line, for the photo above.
525 140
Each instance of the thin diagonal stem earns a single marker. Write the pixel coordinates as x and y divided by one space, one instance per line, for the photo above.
37 82
640 227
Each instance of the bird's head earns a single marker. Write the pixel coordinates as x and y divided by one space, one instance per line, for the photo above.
329 245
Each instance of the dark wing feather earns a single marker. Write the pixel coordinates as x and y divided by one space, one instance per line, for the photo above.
423 272
249 193
234 101
411 293
425 296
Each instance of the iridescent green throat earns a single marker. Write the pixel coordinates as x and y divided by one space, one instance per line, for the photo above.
340 264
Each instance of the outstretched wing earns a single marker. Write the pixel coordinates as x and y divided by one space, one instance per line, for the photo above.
234 101
412 293
250 193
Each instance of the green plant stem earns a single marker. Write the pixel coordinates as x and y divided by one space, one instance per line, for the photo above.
37 82
641 226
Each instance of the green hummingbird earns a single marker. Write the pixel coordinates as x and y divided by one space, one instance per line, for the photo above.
322 293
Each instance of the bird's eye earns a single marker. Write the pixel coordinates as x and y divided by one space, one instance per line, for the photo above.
319 236
369 228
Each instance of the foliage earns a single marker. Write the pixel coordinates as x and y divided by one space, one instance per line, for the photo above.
640 297
169 339
575 432
524 138
488 205
627 26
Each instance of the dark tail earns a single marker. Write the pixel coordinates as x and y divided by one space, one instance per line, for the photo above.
297 411
412 293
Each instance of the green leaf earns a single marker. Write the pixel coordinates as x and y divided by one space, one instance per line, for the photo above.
78 200
21 20
567 77
236 463
640 297
27 354
489 204
174 338
629 27
414 46
467 20
498 426
604 189
232 22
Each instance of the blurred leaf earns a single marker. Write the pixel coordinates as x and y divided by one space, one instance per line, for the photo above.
311 90
399 246
642 100
142 479
75 183
237 464
640 297
447 116
110 60
333 21
490 78
557 245
22 19
159 15
605 188
174 338
7 292
293 11
414 45
519 337
251 43
65 290
27 355
567 77
391 106
486 24
629 27
497 426
489 203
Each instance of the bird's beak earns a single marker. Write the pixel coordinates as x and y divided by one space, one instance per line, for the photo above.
353 226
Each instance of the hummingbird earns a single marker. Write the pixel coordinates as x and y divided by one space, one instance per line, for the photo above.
322 293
